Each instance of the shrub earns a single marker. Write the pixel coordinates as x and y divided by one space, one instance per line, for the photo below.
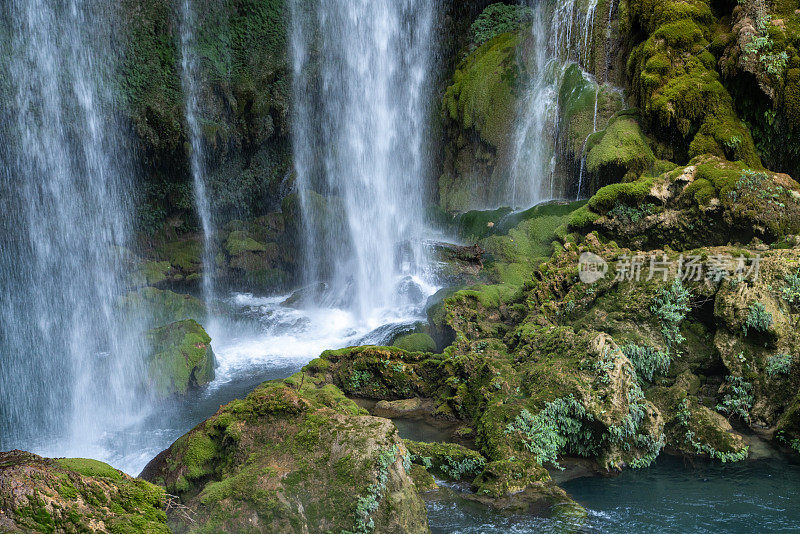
498 18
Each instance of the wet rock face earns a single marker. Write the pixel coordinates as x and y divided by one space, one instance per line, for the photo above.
293 456
75 495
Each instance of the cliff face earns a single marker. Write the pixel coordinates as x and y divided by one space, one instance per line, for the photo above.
244 105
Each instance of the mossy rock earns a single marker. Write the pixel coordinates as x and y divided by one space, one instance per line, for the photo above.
584 108
710 202
482 94
75 495
293 456
479 109
240 241
416 343
181 357
619 150
674 80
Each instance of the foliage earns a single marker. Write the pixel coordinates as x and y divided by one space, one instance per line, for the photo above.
499 18
556 427
631 214
761 45
648 361
791 291
368 504
671 307
758 318
739 399
779 364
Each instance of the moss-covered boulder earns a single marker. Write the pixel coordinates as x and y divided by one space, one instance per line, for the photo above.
180 358
619 152
75 495
293 456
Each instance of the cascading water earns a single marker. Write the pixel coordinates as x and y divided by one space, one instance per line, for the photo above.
190 72
566 38
71 366
361 80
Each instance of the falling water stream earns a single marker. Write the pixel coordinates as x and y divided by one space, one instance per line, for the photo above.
72 379
560 34
71 367
190 73
361 84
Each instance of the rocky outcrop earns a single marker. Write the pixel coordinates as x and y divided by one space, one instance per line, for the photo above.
181 358
293 456
75 495
709 202
244 106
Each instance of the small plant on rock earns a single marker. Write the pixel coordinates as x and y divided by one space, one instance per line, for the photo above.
739 399
758 318
779 364
648 361
671 307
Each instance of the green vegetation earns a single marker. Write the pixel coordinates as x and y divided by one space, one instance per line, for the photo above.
499 18
558 426
648 361
670 307
181 357
758 318
779 364
418 342
76 495
738 399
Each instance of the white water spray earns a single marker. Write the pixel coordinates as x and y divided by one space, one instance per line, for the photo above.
361 89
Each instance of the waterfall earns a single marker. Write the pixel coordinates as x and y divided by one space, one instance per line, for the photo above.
361 94
560 34
70 366
190 72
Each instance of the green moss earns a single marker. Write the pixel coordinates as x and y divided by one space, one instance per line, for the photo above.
240 241
90 468
162 306
621 149
482 94
181 357
184 254
629 193
416 343
674 79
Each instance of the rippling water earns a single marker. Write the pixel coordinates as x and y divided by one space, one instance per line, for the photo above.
671 496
